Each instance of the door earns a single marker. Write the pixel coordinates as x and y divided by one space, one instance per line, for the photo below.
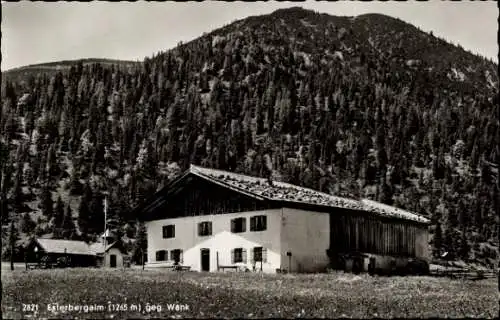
205 259
112 261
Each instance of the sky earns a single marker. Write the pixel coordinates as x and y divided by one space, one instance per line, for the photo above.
37 32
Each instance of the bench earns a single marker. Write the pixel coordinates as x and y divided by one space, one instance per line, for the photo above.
228 267
182 268
233 267
31 266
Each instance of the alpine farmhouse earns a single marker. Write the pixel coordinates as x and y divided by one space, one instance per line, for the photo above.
211 220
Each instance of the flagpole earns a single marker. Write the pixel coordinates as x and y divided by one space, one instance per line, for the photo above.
105 218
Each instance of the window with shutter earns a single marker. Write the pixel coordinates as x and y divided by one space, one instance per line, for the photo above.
169 231
244 255
205 228
161 255
258 223
257 254
252 224
233 257
238 255
176 255
238 225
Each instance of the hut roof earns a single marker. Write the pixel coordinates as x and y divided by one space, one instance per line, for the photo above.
64 246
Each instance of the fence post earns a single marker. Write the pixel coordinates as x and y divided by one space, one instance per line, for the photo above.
217 256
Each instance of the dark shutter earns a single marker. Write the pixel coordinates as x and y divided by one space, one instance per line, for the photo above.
173 231
233 225
209 228
264 222
244 255
232 256
252 224
243 224
200 228
166 255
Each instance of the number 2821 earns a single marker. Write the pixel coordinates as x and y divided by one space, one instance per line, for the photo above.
30 307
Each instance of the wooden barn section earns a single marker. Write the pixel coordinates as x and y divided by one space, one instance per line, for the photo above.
362 241
212 216
77 252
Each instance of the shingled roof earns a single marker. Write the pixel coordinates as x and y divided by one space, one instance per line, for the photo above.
64 246
281 191
73 247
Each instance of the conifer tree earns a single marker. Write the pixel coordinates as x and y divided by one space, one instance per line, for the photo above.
58 219
84 218
68 226
13 237
464 246
46 202
27 224
437 241
140 244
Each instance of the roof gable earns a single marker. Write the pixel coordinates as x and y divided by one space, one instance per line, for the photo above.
279 192
98 247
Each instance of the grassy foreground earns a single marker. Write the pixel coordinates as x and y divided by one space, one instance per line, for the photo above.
240 295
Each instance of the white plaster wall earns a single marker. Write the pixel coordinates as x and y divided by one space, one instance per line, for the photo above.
119 258
306 234
221 240
222 244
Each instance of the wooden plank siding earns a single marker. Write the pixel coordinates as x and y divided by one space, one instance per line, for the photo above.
364 233
199 197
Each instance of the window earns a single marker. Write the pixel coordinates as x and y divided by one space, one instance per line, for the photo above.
258 223
169 231
238 255
259 254
161 255
238 225
205 228
176 255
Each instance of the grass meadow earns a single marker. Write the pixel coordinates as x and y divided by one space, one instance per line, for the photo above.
239 295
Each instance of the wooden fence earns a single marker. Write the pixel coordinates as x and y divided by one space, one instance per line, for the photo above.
468 274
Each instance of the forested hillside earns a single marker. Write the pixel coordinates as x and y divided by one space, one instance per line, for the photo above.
355 106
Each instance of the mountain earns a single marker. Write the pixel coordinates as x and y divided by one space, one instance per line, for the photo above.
355 106
51 68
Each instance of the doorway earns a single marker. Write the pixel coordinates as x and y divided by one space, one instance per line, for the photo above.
112 261
205 259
